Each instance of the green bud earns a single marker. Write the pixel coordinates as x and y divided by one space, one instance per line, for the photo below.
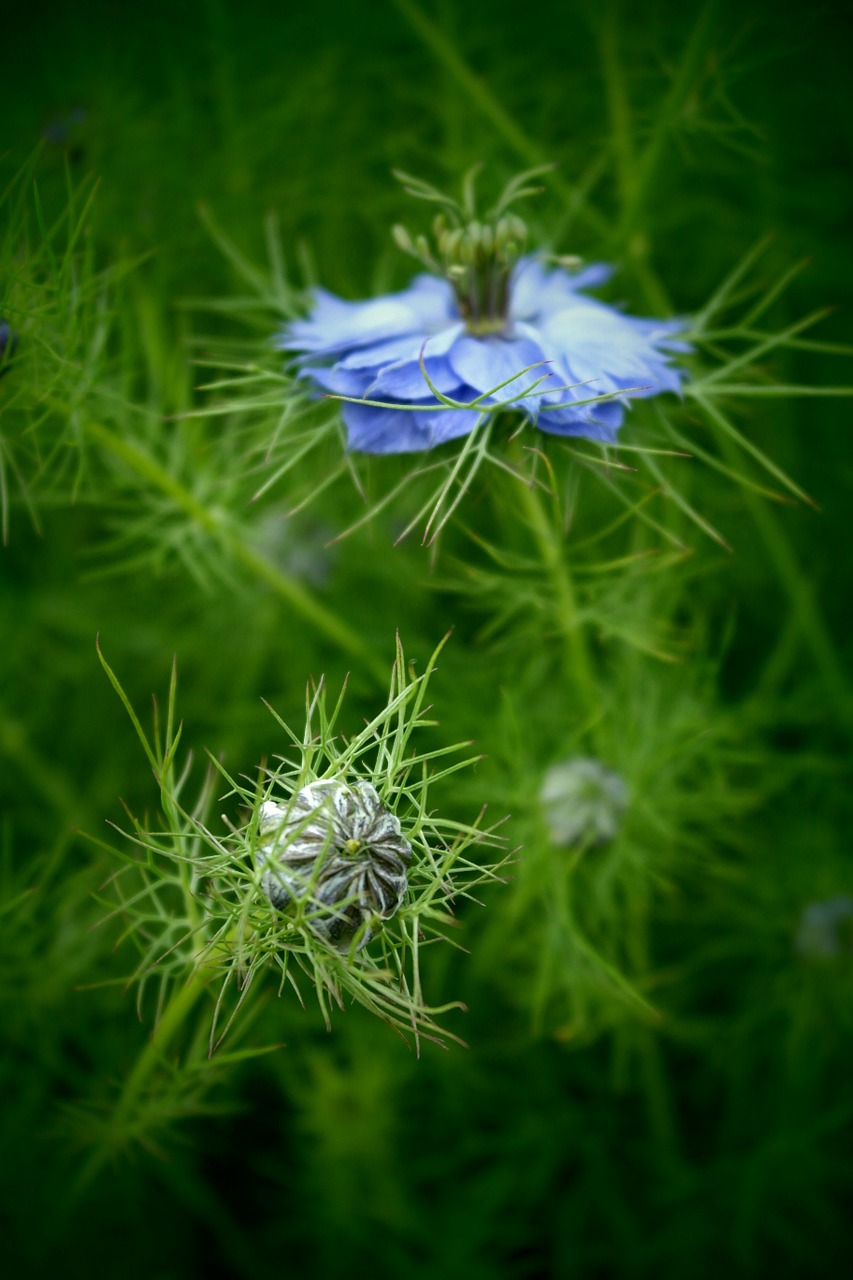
449 243
518 228
402 239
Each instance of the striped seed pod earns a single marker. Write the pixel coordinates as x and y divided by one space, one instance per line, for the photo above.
336 847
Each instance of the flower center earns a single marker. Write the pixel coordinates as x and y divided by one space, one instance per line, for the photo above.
475 253
351 847
477 258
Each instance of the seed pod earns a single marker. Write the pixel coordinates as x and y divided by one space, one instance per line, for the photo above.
338 849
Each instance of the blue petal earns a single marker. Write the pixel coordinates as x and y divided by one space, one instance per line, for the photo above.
374 430
378 356
592 422
536 290
337 380
591 277
404 380
336 325
449 424
611 351
373 349
485 362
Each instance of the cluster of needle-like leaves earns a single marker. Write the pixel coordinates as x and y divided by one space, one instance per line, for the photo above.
192 895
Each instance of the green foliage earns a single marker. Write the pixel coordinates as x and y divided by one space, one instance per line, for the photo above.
655 1082
192 900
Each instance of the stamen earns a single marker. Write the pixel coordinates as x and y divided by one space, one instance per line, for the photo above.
475 255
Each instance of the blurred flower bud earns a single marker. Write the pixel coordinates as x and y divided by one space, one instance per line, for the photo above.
582 802
826 929
402 239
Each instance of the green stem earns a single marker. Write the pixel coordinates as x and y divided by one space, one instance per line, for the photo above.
633 178
172 1019
551 546
806 616
618 106
667 121
489 106
291 591
173 1016
635 184
801 594
660 1113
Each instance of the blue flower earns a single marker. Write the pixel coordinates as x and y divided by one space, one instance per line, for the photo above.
8 345
373 350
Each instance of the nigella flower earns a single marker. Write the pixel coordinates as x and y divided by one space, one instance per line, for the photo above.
489 324
337 848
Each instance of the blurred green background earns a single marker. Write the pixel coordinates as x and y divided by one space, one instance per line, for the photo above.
573 1137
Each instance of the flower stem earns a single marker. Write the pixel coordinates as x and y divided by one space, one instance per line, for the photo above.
642 174
576 656
657 1090
490 107
291 591
172 1019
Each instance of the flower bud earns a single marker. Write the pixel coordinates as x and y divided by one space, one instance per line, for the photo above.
402 239
582 802
517 227
449 243
826 929
338 850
